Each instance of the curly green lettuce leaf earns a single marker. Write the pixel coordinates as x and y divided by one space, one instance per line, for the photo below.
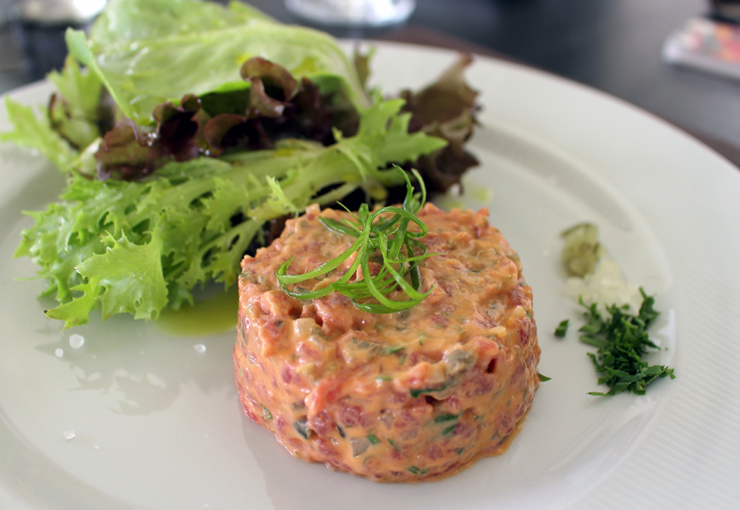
74 110
127 278
194 220
69 126
362 64
145 51
35 132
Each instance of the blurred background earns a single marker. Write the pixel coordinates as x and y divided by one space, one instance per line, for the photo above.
613 45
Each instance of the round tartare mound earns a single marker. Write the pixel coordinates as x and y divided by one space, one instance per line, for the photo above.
401 397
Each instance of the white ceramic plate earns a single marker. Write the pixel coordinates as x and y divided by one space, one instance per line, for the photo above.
157 425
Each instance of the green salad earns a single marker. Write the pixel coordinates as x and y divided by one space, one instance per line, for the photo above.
194 131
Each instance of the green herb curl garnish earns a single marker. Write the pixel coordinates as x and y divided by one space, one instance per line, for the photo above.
387 235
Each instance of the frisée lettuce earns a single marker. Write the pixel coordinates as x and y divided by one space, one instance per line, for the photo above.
136 246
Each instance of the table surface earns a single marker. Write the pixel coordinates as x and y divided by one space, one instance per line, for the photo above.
612 45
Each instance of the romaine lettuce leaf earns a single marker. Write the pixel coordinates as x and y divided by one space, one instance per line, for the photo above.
146 51
125 21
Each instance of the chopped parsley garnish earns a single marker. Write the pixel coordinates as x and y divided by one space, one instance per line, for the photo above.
562 329
379 239
446 418
622 340
301 426
372 439
543 378
416 471
422 391
265 412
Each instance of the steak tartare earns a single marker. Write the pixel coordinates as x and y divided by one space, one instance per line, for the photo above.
402 397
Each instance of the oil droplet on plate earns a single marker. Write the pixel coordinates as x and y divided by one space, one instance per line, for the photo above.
76 341
59 353
199 348
69 435
482 193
